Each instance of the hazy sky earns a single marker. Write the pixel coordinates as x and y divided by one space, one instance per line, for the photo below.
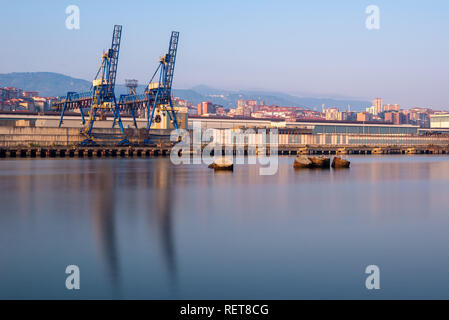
319 47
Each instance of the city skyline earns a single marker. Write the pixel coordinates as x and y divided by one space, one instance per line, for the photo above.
247 46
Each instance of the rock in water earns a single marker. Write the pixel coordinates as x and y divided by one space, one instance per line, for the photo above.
340 163
302 162
320 162
222 164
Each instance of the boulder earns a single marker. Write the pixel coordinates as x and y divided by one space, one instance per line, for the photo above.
222 164
322 162
340 163
302 162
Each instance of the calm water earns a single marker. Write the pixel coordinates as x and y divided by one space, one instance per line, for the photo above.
146 229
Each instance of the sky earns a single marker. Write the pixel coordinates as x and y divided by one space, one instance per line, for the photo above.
318 48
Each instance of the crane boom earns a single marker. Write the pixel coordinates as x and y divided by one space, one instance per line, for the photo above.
170 60
113 55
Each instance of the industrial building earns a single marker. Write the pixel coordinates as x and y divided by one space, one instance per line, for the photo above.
316 127
72 120
439 121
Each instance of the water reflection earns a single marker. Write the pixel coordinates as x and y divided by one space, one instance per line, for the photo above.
162 201
103 188
154 185
144 228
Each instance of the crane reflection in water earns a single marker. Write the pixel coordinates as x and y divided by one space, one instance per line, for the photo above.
155 179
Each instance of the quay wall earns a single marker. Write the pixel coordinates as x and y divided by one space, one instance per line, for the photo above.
29 136
11 136
53 137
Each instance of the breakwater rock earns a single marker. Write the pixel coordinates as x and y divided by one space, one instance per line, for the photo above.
338 162
222 164
302 162
322 162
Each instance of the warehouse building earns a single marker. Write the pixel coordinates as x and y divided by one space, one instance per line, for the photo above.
316 126
439 121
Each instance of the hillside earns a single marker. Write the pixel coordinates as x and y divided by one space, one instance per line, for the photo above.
48 84
228 99
55 84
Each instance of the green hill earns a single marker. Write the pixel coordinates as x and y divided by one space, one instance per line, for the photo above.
48 84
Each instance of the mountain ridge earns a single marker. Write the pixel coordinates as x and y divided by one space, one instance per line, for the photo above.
57 84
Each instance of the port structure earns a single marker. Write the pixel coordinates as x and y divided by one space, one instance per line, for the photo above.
155 99
101 98
161 90
157 95
131 84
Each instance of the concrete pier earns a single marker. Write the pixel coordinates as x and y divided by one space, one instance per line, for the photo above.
85 152
373 150
48 142
164 150
11 136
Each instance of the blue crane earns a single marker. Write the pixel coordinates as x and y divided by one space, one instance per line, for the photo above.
159 93
102 93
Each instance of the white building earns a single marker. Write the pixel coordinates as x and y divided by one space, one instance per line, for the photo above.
440 121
